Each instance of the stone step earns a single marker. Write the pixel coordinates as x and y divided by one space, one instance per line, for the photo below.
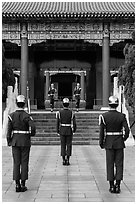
58 138
92 142
53 115
84 116
87 129
84 123
80 120
79 126
79 135
79 131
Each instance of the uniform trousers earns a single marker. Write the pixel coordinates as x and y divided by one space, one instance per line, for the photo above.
77 102
20 162
66 145
52 102
114 163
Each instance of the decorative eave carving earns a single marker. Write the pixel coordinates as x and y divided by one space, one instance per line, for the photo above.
89 32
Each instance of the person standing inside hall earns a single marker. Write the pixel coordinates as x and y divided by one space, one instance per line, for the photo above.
51 93
20 129
114 131
77 92
66 126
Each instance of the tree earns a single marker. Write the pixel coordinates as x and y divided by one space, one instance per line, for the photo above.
126 75
8 78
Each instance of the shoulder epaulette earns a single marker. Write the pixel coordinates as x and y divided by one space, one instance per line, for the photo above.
72 115
31 118
101 118
10 117
58 114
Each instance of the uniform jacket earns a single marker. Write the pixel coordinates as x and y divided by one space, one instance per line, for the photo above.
52 92
66 116
20 120
77 91
113 121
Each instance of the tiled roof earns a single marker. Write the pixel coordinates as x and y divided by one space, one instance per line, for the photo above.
68 9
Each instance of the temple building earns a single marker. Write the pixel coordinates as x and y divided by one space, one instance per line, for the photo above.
66 43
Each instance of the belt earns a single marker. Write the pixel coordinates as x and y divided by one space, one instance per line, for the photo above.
66 125
114 133
21 131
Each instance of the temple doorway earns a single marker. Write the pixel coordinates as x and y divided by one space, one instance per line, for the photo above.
65 84
65 89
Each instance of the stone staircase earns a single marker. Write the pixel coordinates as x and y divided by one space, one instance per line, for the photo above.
87 128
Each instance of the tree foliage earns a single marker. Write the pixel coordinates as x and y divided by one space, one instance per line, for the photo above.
126 75
8 78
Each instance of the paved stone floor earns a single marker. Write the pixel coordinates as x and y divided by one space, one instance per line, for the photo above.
83 181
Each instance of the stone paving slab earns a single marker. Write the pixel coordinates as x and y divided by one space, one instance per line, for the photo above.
83 181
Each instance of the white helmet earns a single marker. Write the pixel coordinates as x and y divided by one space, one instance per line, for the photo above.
20 99
65 100
113 100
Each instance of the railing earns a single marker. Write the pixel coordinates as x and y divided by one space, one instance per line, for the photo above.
58 103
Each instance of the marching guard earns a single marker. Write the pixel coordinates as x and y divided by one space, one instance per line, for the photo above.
20 129
66 126
114 131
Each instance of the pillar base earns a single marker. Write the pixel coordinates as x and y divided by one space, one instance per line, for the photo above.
105 108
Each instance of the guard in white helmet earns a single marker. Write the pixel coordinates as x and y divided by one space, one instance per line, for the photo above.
66 126
51 93
77 92
114 131
20 129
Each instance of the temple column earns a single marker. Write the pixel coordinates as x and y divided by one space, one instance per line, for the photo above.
82 81
31 76
47 85
24 60
31 82
105 65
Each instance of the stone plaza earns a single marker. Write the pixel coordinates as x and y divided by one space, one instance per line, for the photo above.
83 181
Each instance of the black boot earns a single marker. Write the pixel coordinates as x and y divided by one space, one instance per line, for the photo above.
23 187
64 160
18 187
117 186
111 189
67 162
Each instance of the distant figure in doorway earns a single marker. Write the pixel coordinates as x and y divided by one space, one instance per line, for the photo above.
66 126
114 131
77 92
20 129
51 93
